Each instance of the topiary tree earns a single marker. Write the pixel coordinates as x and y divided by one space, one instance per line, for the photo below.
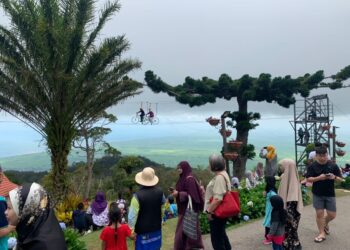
246 89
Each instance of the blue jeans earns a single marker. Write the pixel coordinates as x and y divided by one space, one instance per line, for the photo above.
276 247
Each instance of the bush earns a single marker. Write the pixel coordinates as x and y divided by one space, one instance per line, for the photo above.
252 205
72 240
64 210
346 183
305 192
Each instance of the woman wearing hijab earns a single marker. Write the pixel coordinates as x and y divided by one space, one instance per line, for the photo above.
269 153
186 186
250 181
98 211
260 170
290 192
36 225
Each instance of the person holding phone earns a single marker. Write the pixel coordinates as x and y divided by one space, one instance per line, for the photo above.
269 154
323 173
186 186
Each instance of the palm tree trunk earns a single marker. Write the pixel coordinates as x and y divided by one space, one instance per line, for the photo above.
59 160
59 141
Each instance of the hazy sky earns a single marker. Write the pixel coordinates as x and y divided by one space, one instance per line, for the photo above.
199 38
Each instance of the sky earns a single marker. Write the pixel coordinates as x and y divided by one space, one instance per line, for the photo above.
200 38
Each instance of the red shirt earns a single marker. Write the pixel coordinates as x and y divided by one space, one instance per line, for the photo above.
115 242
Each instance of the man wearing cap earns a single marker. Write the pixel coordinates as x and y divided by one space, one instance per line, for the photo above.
145 212
5 228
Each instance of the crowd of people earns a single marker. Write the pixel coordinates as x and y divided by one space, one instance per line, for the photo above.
29 212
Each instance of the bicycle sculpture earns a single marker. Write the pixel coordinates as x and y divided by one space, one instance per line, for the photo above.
146 120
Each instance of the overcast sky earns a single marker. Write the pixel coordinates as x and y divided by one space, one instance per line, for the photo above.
200 38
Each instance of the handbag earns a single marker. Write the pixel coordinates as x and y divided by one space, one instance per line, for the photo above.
190 221
230 205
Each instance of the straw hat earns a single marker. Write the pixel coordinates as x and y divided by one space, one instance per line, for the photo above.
147 177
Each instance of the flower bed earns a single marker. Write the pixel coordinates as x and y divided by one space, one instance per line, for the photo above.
252 206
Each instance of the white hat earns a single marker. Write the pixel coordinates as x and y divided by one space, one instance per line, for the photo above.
147 177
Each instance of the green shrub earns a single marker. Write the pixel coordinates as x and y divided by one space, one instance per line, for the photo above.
257 210
306 195
204 224
346 183
72 240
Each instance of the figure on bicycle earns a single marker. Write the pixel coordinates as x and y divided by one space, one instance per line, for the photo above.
150 116
142 114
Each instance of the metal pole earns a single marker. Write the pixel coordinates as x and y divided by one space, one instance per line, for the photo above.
334 153
224 142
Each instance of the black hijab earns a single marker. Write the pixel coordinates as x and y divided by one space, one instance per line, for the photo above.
37 228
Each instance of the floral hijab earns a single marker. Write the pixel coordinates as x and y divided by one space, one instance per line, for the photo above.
37 226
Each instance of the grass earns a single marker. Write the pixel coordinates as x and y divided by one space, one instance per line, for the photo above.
94 243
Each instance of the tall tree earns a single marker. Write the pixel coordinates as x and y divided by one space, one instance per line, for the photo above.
90 139
56 73
246 89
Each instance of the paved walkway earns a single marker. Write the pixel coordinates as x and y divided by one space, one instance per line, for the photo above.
250 236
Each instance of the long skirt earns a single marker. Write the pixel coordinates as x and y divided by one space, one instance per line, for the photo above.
182 242
291 241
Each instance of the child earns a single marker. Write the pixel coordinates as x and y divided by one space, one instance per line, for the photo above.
114 235
122 206
173 206
79 218
278 222
270 190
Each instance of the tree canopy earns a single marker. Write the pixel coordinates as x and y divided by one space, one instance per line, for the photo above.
265 88
56 73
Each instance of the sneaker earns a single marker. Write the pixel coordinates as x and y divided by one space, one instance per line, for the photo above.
88 232
267 242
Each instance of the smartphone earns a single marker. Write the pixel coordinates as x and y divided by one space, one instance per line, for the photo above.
329 174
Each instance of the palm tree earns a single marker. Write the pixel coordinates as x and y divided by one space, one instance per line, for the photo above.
54 73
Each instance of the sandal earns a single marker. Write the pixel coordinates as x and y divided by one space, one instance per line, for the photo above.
326 229
319 239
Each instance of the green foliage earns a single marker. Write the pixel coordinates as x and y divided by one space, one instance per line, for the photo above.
305 192
248 151
204 223
310 147
20 177
130 163
73 240
280 90
56 73
346 183
257 210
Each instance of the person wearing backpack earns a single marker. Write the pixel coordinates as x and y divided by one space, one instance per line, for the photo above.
187 186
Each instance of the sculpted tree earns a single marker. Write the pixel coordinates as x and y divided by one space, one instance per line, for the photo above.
246 89
56 73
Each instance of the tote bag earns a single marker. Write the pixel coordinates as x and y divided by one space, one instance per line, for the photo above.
190 221
230 205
